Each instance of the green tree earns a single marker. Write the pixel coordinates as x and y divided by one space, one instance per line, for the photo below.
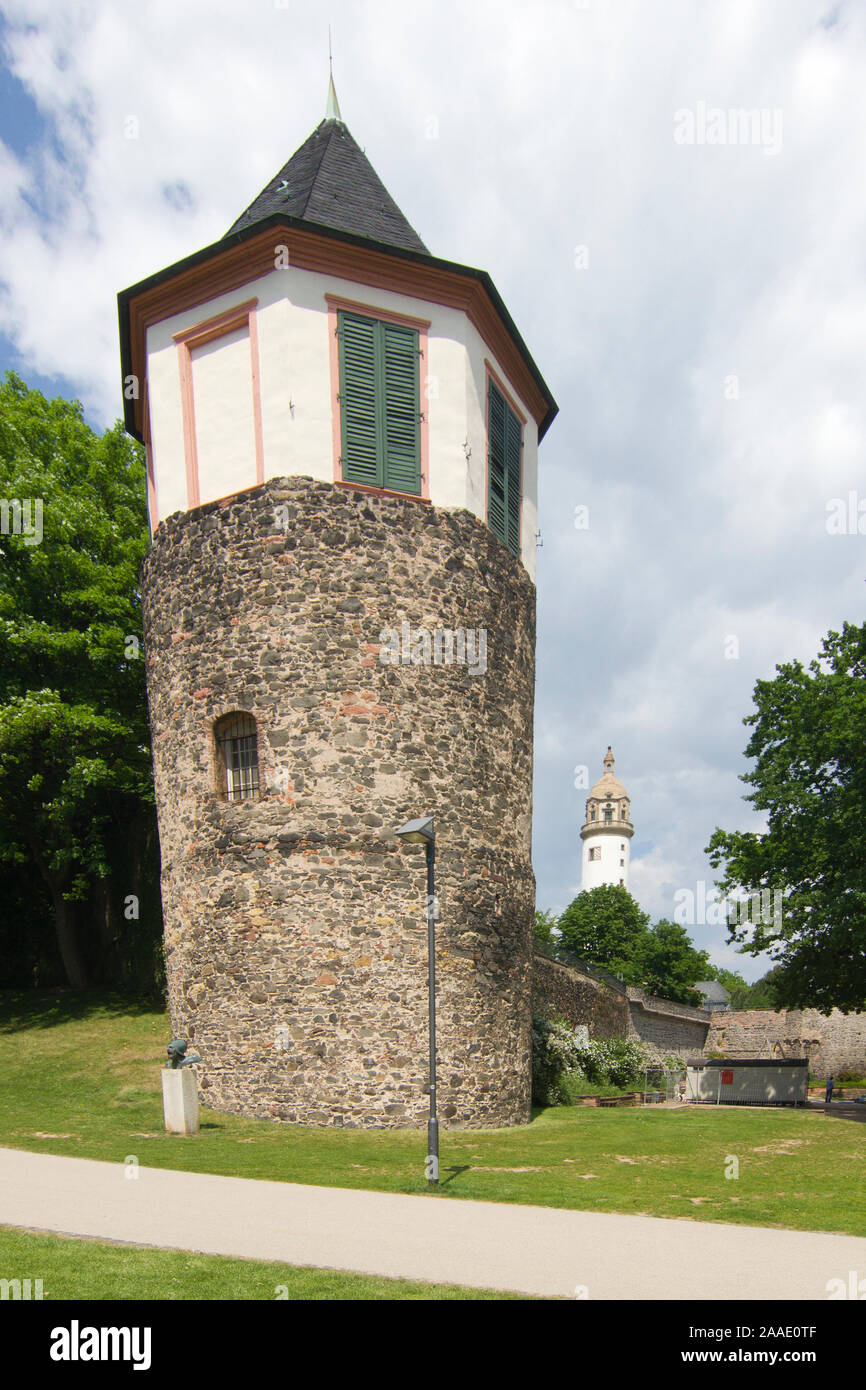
545 922
738 988
759 995
606 927
809 778
764 993
75 774
669 965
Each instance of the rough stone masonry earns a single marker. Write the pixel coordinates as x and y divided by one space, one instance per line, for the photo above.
834 1043
295 926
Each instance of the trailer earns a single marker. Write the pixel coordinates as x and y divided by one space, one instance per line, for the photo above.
758 1081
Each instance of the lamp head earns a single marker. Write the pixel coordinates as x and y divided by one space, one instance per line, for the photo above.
417 832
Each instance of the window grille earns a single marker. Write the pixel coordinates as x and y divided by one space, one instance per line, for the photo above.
237 745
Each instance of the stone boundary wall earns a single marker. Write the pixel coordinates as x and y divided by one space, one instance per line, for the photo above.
665 1025
833 1043
611 1012
568 993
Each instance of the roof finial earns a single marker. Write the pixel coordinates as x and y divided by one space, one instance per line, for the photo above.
332 111
608 760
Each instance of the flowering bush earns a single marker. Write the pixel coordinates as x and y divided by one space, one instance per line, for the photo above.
616 1062
554 1052
558 1049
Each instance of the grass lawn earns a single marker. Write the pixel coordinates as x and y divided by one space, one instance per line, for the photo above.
91 1269
80 1075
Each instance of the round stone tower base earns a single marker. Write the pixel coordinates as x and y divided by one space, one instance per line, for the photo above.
385 650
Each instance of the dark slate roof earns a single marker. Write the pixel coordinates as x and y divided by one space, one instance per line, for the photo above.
712 990
330 181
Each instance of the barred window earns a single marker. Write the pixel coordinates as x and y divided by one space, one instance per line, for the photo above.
237 756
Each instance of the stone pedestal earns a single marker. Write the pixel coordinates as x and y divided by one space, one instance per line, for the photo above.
180 1100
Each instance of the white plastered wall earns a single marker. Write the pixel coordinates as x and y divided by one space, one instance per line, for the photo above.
607 869
224 425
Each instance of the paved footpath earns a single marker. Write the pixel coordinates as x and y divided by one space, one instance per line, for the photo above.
534 1250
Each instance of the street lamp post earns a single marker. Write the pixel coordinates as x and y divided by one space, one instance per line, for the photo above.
416 832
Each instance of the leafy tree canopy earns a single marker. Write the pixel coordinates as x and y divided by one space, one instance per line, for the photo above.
74 740
545 922
760 995
809 778
606 927
669 965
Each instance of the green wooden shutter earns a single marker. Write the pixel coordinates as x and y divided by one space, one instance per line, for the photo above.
358 400
505 447
496 469
513 446
402 421
379 403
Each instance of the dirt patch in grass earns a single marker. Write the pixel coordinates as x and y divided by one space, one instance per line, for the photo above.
481 1168
781 1149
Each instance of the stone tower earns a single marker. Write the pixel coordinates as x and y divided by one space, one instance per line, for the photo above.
606 832
339 607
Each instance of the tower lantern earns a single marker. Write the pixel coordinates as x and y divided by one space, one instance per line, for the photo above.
606 832
339 608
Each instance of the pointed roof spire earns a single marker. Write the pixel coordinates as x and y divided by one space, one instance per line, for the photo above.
330 181
332 110
608 760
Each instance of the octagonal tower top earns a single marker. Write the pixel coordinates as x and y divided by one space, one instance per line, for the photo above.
319 338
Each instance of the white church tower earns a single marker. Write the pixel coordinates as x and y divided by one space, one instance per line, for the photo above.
606 832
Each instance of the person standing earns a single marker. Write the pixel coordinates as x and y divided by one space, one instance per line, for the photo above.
828 1092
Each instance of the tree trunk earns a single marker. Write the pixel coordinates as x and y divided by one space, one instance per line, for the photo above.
67 938
103 907
64 923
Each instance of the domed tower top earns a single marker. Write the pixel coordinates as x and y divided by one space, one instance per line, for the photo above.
607 806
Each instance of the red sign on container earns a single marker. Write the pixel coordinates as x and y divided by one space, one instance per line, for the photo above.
727 1078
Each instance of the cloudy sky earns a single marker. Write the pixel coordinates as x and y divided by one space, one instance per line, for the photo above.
670 198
